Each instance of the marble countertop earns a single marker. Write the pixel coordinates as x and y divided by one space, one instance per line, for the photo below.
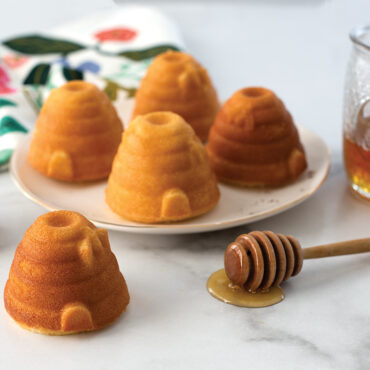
300 51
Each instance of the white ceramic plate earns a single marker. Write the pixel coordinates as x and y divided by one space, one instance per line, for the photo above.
237 206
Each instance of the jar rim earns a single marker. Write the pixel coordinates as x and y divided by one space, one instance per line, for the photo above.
356 35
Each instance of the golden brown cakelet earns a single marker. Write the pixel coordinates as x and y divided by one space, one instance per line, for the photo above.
176 82
161 172
77 134
254 141
64 278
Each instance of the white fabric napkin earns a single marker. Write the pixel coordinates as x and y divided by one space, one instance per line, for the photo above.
111 49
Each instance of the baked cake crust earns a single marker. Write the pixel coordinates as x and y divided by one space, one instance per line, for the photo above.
64 278
161 172
77 134
254 141
176 82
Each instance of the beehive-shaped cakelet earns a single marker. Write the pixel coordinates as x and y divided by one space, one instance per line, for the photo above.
64 277
161 172
176 82
77 134
254 141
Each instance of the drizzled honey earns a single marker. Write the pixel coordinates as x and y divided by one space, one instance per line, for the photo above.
357 163
220 287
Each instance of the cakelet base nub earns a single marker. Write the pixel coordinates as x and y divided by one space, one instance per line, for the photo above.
50 332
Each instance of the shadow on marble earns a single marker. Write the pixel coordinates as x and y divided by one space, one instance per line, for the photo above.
199 242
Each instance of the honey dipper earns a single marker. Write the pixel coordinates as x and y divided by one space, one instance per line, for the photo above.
262 259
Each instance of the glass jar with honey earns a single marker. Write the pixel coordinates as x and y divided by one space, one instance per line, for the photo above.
356 113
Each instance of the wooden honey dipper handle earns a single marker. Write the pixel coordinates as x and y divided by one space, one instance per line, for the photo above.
337 249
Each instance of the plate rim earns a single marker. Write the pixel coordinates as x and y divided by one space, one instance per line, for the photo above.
174 228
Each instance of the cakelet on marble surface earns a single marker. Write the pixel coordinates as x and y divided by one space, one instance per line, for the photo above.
64 278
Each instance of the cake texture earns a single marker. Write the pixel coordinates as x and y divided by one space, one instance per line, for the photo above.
161 172
64 278
77 134
176 82
254 141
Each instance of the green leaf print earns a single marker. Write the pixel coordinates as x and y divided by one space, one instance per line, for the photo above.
72 74
36 44
147 53
5 155
7 103
130 91
10 124
111 89
38 75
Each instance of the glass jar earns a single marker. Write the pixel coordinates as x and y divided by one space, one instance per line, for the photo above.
356 113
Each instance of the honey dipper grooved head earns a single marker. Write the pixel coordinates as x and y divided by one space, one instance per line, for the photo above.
260 260
64 277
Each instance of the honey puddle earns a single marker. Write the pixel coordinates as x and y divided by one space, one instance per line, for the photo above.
220 287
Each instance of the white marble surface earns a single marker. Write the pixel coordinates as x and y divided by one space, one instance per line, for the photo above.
172 322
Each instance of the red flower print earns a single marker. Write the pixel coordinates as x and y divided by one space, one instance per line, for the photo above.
4 81
15 61
116 34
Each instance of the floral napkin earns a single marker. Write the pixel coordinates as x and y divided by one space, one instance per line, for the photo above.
111 49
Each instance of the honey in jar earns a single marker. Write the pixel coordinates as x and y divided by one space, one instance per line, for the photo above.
357 163
356 113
